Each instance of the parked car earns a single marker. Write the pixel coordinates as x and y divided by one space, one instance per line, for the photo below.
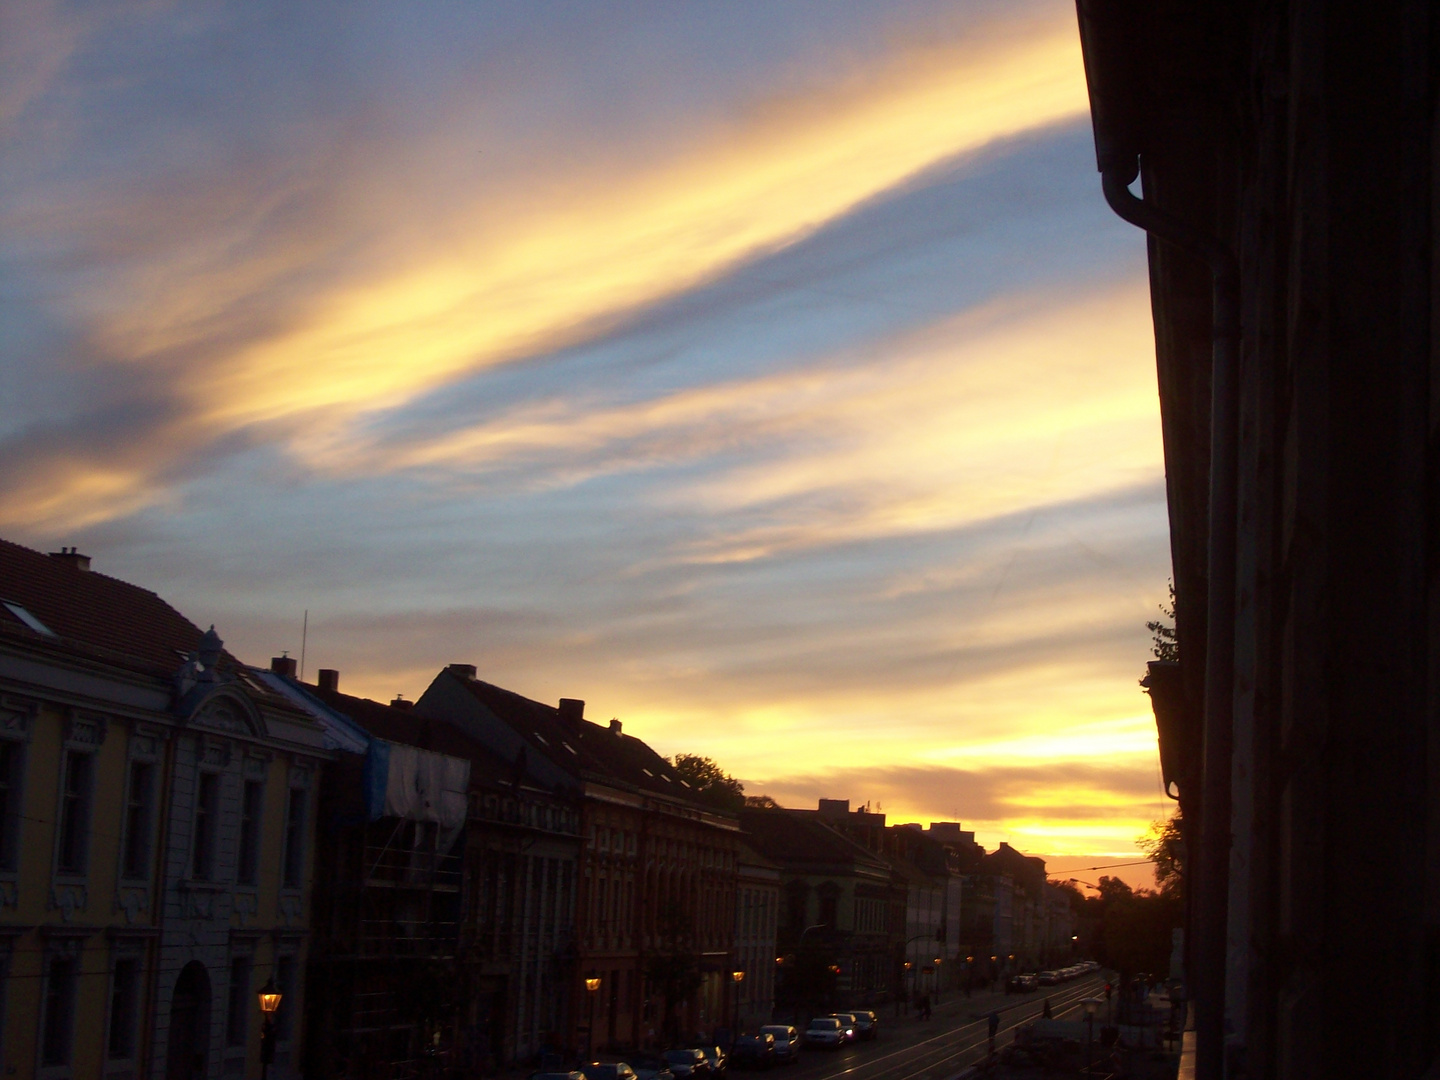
618 1070
1022 984
825 1031
847 1021
650 1067
687 1063
867 1024
557 1076
599 1070
753 1051
1048 978
716 1057
787 1042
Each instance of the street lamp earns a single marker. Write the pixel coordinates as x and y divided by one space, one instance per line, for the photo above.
737 977
592 984
269 1003
1089 1005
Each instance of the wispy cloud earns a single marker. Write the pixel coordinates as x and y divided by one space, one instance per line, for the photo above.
767 375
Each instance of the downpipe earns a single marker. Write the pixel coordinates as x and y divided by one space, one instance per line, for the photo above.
1213 870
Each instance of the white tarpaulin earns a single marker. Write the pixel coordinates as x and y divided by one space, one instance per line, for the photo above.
425 786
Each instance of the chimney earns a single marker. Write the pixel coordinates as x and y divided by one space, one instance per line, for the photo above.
615 725
328 679
834 808
572 711
72 557
400 702
462 671
283 665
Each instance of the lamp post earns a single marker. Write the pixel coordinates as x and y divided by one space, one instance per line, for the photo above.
737 977
270 997
592 986
1089 1005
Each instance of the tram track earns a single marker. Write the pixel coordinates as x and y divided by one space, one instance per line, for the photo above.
938 1055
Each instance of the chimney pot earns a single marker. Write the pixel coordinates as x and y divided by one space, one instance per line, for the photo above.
464 671
328 679
572 710
615 725
283 665
72 557
400 702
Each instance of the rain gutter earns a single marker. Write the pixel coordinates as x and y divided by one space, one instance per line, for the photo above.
1113 46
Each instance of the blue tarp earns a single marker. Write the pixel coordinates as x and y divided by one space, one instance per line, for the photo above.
376 777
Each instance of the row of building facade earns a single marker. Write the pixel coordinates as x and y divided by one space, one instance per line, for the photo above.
466 881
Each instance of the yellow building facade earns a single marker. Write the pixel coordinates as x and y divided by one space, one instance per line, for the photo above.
156 830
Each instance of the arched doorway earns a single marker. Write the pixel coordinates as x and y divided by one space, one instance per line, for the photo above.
189 1024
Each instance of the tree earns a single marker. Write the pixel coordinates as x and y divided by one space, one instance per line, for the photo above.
710 781
1164 644
761 802
1136 933
674 968
1164 845
1113 889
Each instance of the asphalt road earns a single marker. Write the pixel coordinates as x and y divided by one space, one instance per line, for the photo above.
954 1037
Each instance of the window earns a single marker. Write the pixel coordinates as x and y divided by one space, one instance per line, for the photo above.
250 805
136 862
207 794
237 1014
75 813
294 838
828 911
59 1011
11 770
124 1007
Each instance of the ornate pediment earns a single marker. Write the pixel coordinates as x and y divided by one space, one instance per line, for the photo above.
227 710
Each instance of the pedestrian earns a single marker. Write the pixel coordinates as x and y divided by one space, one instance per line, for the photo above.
994 1025
1047 1013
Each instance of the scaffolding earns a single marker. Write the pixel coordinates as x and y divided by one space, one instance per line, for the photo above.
386 977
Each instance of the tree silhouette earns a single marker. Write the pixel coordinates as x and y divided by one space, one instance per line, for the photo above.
674 968
710 781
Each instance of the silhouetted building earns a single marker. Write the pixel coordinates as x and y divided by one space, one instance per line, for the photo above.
445 897
757 923
1287 155
839 923
658 866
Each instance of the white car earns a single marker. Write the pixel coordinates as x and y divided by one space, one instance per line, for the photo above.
825 1031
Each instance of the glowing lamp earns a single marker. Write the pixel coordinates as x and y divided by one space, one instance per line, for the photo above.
738 976
592 984
269 998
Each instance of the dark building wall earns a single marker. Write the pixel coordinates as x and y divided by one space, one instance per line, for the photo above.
1302 136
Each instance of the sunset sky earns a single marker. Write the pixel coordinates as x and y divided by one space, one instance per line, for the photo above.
770 375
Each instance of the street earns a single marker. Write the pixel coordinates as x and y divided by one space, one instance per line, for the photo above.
913 1049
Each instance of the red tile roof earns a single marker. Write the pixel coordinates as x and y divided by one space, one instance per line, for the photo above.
89 609
584 749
